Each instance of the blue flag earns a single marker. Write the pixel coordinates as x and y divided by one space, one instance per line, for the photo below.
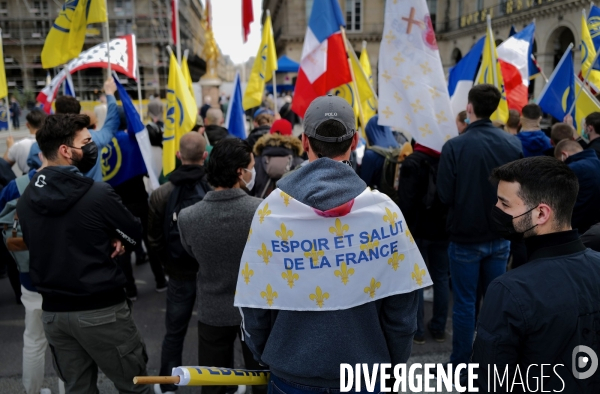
136 151
121 160
513 31
593 22
461 77
68 88
559 93
235 119
3 117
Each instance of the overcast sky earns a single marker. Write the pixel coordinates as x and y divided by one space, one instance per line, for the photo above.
227 27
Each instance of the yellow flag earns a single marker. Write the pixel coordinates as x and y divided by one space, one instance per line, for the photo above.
180 116
588 53
365 93
490 73
370 104
185 70
262 70
66 37
3 85
585 105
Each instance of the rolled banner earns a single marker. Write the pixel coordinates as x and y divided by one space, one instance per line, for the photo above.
213 376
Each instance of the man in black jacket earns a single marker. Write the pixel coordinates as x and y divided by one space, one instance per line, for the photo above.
425 215
181 292
74 228
540 321
462 184
592 131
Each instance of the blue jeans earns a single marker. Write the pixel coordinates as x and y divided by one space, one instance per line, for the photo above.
280 386
435 253
181 296
467 262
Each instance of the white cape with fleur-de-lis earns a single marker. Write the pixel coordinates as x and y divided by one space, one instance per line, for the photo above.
296 258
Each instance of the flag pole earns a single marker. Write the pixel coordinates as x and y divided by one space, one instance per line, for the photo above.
274 71
7 107
177 32
107 39
139 86
354 85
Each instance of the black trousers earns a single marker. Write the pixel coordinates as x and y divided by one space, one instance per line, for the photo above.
215 349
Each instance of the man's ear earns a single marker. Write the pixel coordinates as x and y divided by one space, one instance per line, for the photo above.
64 151
305 143
204 155
178 154
355 141
542 214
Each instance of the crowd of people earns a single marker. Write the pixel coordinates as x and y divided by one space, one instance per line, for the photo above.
506 219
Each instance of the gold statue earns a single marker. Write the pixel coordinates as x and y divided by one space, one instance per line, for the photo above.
211 50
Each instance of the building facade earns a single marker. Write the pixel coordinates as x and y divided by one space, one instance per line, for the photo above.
25 24
458 23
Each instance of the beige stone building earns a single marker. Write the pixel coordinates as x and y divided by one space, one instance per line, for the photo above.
458 23
25 24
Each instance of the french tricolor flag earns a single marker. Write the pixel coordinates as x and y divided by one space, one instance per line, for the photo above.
324 64
514 56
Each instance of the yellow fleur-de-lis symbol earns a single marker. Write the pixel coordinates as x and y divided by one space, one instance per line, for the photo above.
397 97
387 112
386 76
372 287
434 93
417 106
418 274
249 234
425 130
408 82
247 273
284 233
270 295
339 229
319 296
390 37
262 213
425 68
408 119
395 260
369 245
390 216
265 253
344 272
314 255
447 137
399 59
441 117
286 198
410 237
290 276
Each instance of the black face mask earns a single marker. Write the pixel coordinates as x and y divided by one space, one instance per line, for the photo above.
503 224
89 156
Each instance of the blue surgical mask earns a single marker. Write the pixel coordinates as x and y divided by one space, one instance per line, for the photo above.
467 121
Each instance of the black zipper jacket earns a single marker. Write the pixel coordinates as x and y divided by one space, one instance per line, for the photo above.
68 222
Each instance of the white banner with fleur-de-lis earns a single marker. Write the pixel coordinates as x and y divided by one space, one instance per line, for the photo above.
412 88
298 259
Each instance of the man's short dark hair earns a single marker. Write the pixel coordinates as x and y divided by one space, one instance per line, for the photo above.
561 131
543 179
593 120
67 105
330 128
59 129
532 112
513 119
484 99
36 118
227 156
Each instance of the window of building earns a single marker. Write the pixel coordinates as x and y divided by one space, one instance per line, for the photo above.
460 8
124 26
353 15
3 7
123 7
432 5
40 8
479 5
40 29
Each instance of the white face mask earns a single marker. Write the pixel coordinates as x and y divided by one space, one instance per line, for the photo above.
250 184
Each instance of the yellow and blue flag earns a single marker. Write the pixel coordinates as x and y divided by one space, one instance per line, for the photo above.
491 73
593 22
67 35
369 100
185 70
559 92
262 70
588 54
180 116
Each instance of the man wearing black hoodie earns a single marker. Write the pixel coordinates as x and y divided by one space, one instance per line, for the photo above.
181 291
74 228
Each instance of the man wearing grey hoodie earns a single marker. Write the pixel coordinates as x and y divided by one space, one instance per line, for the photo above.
304 349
